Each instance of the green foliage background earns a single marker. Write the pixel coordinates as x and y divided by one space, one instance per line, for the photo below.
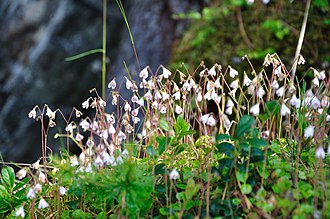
224 31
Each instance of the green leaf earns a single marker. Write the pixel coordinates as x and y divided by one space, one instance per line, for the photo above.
191 189
272 107
226 148
181 125
3 192
180 148
241 176
151 151
245 125
221 137
162 143
257 155
159 169
21 184
164 125
246 188
258 142
8 176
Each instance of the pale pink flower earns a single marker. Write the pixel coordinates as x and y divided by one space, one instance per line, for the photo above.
316 82
37 188
261 92
31 194
85 104
246 80
33 113
21 173
177 95
50 113
42 204
280 91
62 190
127 107
112 84
134 99
309 131
144 73
178 109
135 119
166 72
234 84
20 212
42 177
295 101
148 95
319 153
232 72
174 175
163 109
255 109
212 72
285 110
229 110
129 84
275 84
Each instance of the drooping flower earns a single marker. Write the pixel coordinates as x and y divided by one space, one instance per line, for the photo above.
234 84
199 97
212 72
141 101
50 113
21 173
295 101
33 113
319 153
74 161
163 109
166 72
232 72
265 1
62 190
20 212
255 109
280 91
144 73
31 194
42 177
79 137
316 82
230 103
229 110
42 204
261 92
174 175
186 86
246 80
112 84
177 95
275 84
148 95
178 109
37 188
208 119
129 84
127 107
285 110
98 162
309 131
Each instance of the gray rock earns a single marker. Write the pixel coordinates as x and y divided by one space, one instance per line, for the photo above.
36 36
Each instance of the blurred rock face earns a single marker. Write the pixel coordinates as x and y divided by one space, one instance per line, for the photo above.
36 36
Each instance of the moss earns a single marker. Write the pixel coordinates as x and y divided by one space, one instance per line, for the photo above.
218 36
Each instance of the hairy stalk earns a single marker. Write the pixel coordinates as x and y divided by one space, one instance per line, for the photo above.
301 39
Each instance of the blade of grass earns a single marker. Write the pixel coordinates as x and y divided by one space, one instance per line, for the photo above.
81 55
122 11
